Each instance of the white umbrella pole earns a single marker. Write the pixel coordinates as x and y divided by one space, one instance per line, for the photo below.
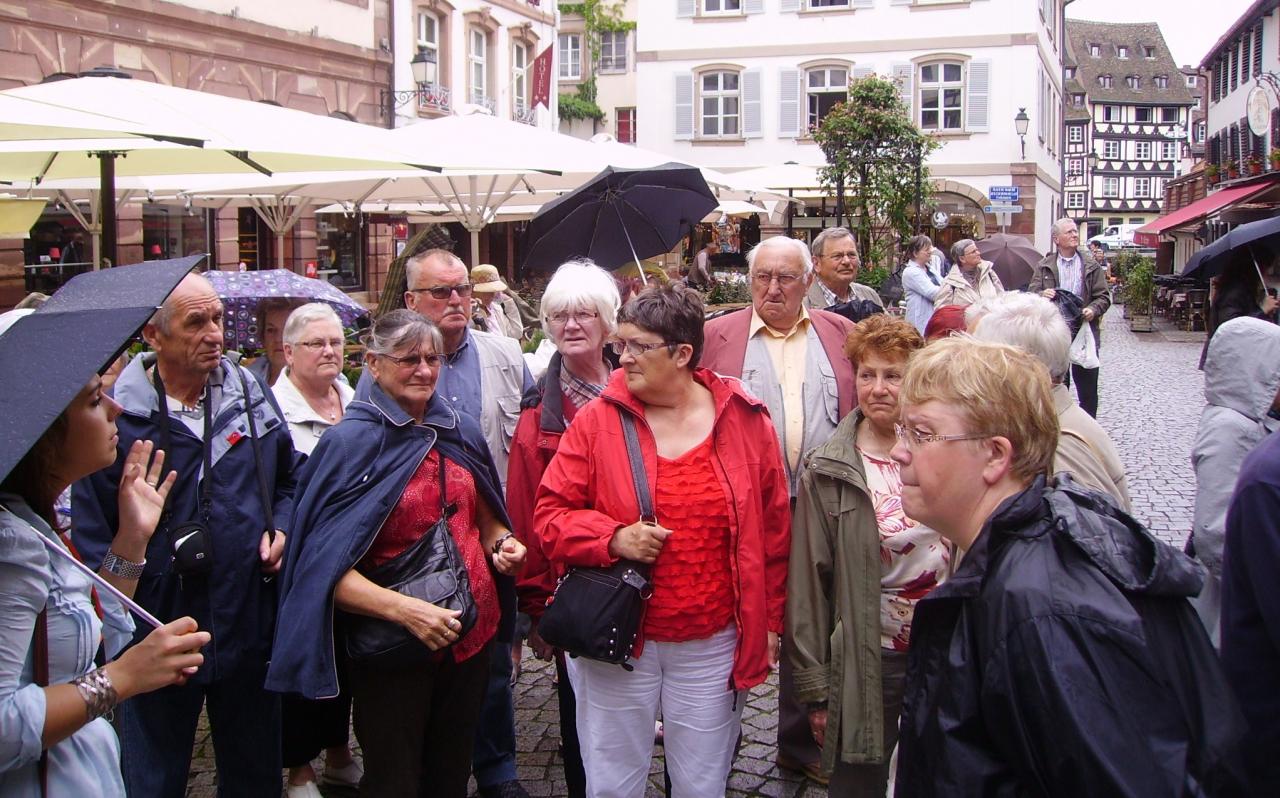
475 247
1258 269
101 583
279 249
639 266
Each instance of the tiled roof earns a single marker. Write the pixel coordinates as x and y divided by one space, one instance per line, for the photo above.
1136 36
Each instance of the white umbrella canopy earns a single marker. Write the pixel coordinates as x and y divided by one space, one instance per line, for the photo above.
25 120
783 176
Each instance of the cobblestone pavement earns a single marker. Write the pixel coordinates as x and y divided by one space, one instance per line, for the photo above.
1150 402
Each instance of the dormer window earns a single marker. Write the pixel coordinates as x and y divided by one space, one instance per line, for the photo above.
1104 81
1077 100
1095 50
1148 51
1070 72
1161 81
1132 81
1122 51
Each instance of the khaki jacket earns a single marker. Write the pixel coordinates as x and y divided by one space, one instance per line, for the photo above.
833 599
1085 450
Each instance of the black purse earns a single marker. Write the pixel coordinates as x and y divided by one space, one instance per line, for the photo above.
596 612
431 570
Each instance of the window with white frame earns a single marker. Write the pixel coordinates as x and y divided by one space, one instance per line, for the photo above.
1122 51
1104 81
1075 134
570 47
1142 114
429 34
520 76
1132 81
1075 166
1110 186
1161 81
1077 100
613 51
941 96
720 105
721 6
1075 200
1191 81
1110 113
1095 50
1200 131
1148 51
1069 73
1169 114
1142 150
1111 150
824 87
478 65
1168 150
827 3
625 125
1142 187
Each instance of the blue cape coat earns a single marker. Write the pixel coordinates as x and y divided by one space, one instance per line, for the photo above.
346 490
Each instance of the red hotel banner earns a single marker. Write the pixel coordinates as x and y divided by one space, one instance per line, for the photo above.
542 79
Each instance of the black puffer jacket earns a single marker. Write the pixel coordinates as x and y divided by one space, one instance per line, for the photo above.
1063 659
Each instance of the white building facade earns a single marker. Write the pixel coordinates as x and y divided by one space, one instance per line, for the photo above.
736 84
613 70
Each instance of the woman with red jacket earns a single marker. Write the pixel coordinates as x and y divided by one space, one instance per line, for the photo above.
579 311
719 550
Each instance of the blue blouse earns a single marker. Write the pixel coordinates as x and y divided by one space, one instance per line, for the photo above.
31 579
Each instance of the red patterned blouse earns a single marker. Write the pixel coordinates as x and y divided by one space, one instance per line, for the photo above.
416 512
692 578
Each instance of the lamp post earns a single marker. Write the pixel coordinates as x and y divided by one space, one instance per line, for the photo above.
1092 161
1020 123
424 66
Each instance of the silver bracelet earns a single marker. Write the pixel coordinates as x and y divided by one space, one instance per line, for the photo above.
97 691
116 565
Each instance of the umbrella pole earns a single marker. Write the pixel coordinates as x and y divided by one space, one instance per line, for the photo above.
639 266
280 249
1258 269
107 202
475 248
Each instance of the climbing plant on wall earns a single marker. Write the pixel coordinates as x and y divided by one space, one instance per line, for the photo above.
599 16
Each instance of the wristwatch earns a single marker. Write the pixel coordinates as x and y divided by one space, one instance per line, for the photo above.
116 565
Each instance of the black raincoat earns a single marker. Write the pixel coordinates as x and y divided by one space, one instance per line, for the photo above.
1063 659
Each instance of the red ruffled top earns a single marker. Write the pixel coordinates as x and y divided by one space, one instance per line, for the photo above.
416 512
692 579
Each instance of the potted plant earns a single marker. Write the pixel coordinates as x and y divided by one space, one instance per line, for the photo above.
1233 170
1211 173
1140 290
1253 163
1275 159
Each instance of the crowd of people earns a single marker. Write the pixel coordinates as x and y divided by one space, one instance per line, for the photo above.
908 517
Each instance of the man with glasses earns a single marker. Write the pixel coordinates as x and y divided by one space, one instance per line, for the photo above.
792 358
836 264
483 375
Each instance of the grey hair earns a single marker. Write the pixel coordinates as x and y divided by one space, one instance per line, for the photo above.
795 245
413 264
399 330
1056 229
958 248
581 284
819 244
164 314
304 315
1032 323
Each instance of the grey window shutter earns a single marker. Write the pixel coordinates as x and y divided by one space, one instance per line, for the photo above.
684 105
862 71
788 103
751 112
979 96
789 5
904 75
863 4
753 7
686 8
901 2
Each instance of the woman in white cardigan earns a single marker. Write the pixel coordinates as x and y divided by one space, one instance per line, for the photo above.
920 282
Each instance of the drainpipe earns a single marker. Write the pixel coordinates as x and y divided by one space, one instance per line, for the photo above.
390 106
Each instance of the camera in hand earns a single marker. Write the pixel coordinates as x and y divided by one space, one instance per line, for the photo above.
192 549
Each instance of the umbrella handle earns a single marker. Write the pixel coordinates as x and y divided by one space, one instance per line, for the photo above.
639 266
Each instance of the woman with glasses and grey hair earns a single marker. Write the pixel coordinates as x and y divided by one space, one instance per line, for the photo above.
971 278
718 548
310 389
400 465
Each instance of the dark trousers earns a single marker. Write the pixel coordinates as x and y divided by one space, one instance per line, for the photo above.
1086 388
494 759
795 737
416 726
870 781
309 727
157 731
575 778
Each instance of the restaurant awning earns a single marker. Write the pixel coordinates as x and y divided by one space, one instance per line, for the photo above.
1149 234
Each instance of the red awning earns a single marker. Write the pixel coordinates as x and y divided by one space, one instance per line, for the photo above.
1148 234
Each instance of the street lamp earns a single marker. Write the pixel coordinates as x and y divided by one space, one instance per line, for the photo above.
1020 123
423 65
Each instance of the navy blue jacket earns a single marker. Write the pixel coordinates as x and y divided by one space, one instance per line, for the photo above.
346 490
1251 609
1063 659
235 603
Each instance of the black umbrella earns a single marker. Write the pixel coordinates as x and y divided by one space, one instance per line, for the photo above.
47 357
1260 240
1013 257
620 216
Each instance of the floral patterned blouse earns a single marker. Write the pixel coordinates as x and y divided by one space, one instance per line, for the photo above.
913 558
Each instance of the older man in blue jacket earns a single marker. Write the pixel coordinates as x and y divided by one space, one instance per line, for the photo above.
235 480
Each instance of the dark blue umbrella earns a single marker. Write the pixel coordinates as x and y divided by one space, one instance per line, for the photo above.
47 357
1259 241
620 216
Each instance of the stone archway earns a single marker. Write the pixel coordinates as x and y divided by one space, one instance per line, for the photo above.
959 199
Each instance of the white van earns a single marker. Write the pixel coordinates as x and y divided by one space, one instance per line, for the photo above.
1115 236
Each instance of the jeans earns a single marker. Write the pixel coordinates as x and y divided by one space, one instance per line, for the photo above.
494 759
157 731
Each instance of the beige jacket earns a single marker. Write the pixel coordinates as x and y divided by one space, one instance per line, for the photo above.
957 291
1085 449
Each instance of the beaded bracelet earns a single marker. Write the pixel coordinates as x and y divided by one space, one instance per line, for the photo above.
97 691
497 546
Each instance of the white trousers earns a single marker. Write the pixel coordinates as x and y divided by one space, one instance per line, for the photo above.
701 717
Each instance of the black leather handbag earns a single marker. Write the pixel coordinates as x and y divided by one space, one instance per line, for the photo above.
596 612
431 570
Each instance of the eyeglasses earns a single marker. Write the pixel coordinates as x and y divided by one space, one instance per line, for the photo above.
764 279
842 256
412 361
914 437
635 348
445 291
318 344
579 316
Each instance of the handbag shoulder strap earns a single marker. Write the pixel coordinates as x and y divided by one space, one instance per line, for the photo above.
638 474
264 493
40 670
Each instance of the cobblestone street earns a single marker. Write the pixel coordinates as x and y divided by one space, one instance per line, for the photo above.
1151 397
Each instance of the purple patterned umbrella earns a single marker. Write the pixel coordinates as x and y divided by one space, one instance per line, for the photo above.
241 293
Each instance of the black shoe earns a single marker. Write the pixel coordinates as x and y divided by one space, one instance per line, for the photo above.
507 789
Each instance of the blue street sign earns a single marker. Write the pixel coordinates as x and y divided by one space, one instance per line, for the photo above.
1004 194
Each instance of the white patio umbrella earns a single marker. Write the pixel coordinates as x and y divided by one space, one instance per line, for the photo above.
236 137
